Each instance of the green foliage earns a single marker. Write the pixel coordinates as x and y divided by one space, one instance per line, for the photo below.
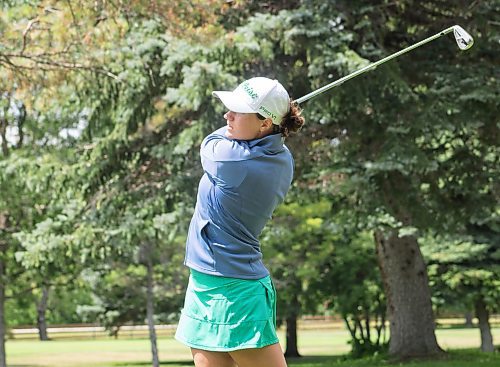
408 147
463 270
411 146
386 122
319 259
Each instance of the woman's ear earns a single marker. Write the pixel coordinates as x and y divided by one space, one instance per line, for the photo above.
266 124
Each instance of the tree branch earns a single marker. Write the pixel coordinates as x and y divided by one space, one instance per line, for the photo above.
72 12
30 25
48 284
50 65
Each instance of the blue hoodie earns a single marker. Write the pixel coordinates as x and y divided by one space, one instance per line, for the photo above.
244 182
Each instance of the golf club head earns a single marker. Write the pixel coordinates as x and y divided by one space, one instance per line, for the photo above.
464 39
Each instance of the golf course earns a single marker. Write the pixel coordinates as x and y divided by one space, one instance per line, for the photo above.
244 183
320 348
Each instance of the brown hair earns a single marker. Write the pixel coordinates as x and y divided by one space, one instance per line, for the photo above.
293 121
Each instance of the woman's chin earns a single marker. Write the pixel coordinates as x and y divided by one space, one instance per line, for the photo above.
229 134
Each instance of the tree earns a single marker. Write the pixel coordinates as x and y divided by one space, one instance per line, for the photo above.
317 258
290 245
23 198
136 150
465 271
401 138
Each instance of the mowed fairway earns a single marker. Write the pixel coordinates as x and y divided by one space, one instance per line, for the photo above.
136 352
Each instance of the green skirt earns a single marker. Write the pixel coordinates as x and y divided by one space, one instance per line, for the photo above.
225 314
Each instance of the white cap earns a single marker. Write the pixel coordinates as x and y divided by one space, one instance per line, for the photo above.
264 96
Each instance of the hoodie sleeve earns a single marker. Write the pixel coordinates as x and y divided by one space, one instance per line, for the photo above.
223 159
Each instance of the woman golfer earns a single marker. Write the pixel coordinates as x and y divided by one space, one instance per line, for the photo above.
229 314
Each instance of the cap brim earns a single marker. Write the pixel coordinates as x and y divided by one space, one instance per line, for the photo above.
233 102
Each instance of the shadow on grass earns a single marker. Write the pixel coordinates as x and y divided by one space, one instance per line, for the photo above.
451 358
454 358
309 361
168 363
313 361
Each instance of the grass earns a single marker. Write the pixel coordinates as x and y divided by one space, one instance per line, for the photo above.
455 358
321 348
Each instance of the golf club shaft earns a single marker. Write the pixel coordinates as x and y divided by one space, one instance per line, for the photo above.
370 66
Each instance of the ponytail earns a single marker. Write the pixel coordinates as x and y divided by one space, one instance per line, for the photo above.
292 122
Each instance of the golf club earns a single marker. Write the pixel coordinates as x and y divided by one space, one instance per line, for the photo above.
464 42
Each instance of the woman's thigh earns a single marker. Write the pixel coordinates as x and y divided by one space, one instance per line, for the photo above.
205 358
270 356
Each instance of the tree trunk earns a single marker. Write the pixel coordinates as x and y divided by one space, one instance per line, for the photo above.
150 310
409 307
3 126
3 136
41 309
292 349
483 316
3 356
4 224
293 310
468 319
20 124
